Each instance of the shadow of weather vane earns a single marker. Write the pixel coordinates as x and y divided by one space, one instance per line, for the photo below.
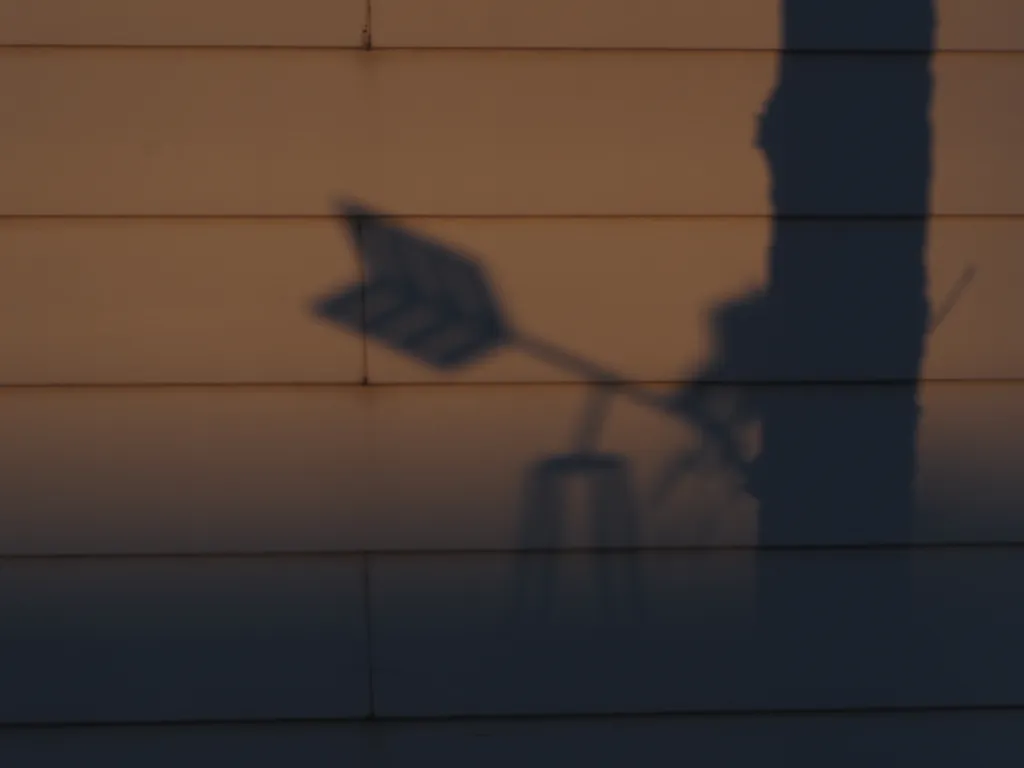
436 305
417 296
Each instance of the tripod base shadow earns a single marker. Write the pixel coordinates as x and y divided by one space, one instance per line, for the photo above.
612 516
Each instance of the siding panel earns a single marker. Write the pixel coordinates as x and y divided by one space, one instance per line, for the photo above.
982 25
429 468
643 300
182 22
944 740
232 301
802 742
457 133
131 302
828 631
684 24
181 471
261 746
181 640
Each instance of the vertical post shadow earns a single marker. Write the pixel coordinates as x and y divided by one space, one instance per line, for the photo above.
844 315
846 136
612 519
611 514
833 344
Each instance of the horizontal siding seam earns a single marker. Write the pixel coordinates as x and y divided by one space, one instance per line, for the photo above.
317 217
636 715
368 555
369 45
358 383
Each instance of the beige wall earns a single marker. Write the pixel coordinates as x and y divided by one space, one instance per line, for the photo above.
451 133
174 417
979 25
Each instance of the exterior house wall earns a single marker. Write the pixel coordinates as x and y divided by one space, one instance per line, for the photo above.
378 375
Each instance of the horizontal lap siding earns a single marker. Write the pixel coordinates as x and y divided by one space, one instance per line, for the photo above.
982 25
145 640
135 302
674 633
459 133
257 746
235 301
188 640
439 468
214 177
685 24
183 22
944 740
